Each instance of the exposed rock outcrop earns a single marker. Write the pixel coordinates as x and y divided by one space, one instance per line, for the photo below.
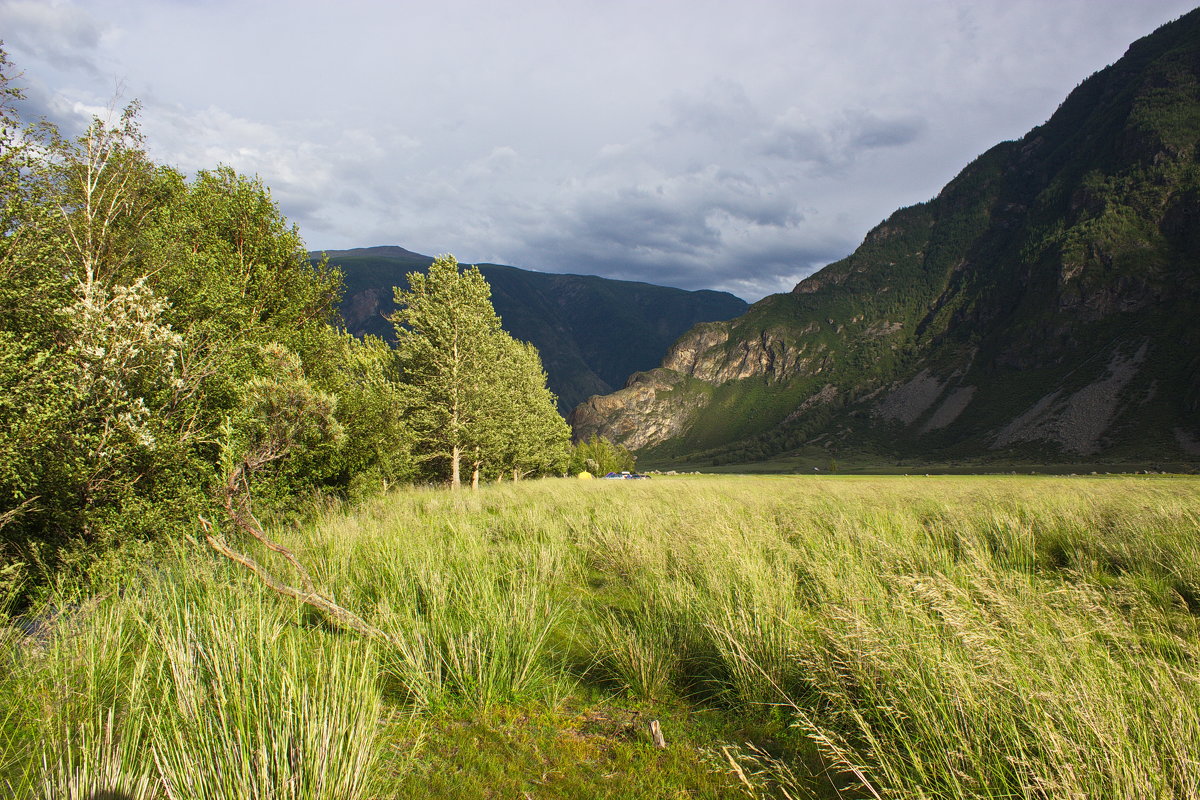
647 412
1077 421
955 404
910 400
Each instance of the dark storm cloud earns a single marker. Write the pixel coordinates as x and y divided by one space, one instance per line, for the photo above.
709 228
869 131
836 144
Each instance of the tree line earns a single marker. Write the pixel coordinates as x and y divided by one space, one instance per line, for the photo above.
160 332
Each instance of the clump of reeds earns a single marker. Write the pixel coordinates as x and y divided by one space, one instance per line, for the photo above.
188 687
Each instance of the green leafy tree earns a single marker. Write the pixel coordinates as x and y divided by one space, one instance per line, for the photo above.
447 332
477 398
364 374
529 437
34 379
283 416
150 326
599 456
136 308
103 187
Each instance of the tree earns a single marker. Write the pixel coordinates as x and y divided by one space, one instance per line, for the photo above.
135 308
103 187
364 375
533 438
145 319
478 397
446 332
600 456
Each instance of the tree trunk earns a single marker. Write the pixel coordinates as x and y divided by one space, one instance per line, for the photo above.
455 476
475 477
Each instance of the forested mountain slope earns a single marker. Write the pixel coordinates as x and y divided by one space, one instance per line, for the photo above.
591 332
1043 305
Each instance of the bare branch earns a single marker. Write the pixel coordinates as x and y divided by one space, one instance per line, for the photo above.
13 513
342 617
243 519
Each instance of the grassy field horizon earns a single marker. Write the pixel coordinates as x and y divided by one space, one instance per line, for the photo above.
792 636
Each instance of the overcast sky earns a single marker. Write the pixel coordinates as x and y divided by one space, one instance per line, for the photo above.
735 146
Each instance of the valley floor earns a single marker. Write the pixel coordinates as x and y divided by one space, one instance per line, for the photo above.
791 636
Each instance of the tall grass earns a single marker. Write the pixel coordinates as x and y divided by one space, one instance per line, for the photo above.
941 637
190 684
470 640
252 709
936 637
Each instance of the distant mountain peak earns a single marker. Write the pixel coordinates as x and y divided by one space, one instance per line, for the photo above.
383 251
1042 306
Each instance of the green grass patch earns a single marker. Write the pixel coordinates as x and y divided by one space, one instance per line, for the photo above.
793 636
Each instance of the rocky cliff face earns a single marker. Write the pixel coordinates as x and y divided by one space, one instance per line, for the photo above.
706 353
1042 305
650 410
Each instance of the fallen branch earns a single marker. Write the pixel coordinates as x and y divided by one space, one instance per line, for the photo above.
237 507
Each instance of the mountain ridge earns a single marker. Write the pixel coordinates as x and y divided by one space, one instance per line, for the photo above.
590 331
1041 305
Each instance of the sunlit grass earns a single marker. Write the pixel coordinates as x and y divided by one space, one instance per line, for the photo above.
929 637
190 684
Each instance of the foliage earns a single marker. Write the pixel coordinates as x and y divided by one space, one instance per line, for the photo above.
136 313
478 397
364 376
599 456
527 433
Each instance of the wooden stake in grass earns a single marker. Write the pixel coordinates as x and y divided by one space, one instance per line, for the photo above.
656 735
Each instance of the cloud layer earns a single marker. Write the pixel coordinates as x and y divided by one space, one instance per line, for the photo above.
697 144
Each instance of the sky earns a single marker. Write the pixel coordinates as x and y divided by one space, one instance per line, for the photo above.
724 145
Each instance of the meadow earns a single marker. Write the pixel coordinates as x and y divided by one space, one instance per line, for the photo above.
791 636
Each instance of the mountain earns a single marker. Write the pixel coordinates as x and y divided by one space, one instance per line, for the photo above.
591 332
1045 305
